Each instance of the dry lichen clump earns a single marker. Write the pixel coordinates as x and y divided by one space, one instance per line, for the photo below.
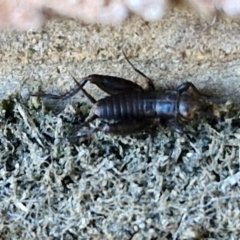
105 188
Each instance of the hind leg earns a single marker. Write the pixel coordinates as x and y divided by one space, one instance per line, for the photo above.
121 128
109 84
127 127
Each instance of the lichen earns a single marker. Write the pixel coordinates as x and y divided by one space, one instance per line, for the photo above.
106 186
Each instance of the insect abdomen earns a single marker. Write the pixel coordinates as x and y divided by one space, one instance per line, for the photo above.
135 105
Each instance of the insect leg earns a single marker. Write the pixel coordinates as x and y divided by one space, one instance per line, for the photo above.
114 85
70 93
80 87
109 84
121 128
89 120
175 126
185 86
127 127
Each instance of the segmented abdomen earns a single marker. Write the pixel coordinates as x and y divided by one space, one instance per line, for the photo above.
137 105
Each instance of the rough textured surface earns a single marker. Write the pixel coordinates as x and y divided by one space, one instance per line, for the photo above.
106 188
181 47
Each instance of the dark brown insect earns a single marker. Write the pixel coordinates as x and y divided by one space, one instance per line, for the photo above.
130 108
